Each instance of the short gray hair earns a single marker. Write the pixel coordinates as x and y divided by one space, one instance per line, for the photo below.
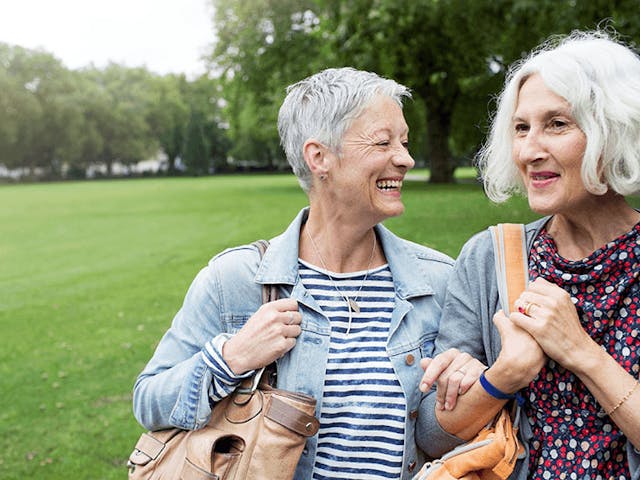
600 78
323 106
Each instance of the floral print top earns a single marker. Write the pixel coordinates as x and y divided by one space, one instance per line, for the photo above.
573 437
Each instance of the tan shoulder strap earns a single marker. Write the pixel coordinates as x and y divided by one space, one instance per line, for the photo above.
512 269
269 292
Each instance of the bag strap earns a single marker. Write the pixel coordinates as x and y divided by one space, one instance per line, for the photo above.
512 272
269 294
509 246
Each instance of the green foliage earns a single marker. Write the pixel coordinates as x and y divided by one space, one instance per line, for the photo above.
453 54
63 122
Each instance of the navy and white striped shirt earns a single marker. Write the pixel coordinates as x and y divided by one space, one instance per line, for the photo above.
362 414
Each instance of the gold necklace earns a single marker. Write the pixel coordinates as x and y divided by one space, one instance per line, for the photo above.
352 302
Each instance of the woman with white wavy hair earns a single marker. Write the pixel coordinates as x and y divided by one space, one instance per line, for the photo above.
567 135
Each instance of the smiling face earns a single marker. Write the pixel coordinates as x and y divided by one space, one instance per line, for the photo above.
367 173
548 147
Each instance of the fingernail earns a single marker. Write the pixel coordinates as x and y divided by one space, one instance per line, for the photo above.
439 405
447 406
424 387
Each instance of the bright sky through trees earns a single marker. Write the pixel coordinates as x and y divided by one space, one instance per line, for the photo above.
166 36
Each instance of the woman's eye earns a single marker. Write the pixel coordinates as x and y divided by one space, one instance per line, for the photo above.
521 127
383 143
558 124
405 144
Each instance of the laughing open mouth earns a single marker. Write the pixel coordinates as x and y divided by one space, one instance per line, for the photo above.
386 185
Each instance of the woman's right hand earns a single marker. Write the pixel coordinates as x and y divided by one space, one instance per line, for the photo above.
268 335
520 359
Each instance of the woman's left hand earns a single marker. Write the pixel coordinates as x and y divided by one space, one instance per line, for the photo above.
547 313
454 372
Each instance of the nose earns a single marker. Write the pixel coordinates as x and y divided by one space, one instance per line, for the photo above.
529 148
402 158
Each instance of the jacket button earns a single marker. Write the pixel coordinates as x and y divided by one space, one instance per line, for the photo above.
413 414
410 359
412 467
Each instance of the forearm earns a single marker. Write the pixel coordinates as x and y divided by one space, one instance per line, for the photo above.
474 410
615 390
173 397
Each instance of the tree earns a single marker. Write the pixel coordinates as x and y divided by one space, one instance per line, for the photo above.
168 115
41 120
453 54
262 46
119 113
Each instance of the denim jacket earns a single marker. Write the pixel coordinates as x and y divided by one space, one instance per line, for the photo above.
467 324
172 390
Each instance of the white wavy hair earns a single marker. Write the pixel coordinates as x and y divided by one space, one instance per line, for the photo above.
323 106
600 78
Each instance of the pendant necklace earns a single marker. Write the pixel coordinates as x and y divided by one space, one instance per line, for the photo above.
352 302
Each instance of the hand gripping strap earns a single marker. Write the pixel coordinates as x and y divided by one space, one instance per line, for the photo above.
510 256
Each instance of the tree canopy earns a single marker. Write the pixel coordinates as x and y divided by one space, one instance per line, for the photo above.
452 54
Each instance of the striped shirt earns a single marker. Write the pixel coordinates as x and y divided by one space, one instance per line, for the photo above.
363 409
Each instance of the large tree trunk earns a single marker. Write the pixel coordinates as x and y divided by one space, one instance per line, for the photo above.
439 155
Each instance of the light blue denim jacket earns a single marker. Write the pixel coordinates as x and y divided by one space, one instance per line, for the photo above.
467 324
172 390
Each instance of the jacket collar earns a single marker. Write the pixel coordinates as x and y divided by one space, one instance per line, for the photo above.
280 263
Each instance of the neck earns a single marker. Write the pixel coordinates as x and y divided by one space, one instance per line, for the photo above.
578 235
339 244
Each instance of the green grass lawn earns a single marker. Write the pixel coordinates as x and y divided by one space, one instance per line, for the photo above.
91 274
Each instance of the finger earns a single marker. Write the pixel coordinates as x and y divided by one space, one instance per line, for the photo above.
292 317
283 304
291 331
473 369
437 366
424 385
450 394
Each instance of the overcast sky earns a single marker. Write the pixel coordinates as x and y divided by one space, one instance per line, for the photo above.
163 35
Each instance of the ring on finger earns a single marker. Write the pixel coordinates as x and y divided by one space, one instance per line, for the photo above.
527 308
291 318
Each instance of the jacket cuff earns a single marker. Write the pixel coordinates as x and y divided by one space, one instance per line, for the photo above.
224 381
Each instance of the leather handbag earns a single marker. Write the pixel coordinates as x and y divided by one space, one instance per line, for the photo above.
492 453
256 433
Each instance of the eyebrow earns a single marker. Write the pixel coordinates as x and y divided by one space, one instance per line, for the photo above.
548 114
390 131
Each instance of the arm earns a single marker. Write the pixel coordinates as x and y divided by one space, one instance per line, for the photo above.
466 325
197 363
519 361
553 322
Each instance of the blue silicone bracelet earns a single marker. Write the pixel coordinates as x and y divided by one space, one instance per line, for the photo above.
496 393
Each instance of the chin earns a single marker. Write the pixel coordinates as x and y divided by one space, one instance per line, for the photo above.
395 212
542 208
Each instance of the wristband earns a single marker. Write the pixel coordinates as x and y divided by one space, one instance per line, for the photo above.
496 393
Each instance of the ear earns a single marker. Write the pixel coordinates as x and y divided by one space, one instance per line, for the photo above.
315 154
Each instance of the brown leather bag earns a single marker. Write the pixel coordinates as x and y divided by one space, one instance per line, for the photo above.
492 453
256 433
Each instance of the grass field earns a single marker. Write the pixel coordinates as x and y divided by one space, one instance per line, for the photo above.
91 274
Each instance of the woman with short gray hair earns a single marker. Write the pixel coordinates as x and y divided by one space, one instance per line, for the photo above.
358 305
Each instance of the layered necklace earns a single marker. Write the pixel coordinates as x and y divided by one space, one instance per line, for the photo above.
352 302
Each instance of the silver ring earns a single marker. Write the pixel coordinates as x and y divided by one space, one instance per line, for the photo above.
291 318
